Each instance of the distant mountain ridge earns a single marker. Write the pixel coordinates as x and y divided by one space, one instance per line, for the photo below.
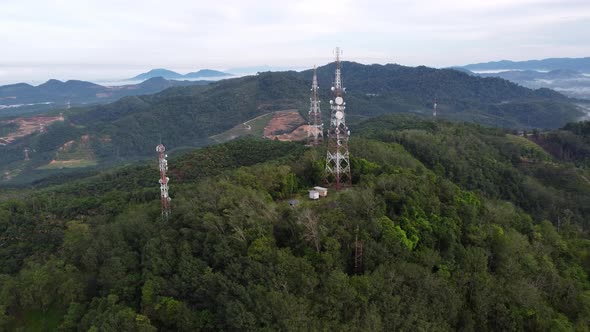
577 64
76 92
130 127
569 82
169 74
159 72
526 75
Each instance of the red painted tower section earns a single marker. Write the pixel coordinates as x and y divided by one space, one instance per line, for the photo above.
163 165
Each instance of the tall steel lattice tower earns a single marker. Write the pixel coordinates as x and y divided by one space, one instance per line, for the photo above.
164 197
315 129
337 157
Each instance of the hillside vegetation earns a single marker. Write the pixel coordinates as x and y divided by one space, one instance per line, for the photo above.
382 89
462 228
188 116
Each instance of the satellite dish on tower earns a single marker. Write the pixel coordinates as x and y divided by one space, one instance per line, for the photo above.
339 115
339 100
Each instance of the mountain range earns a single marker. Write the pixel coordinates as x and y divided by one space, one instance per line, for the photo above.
529 75
577 64
172 75
55 94
188 116
569 82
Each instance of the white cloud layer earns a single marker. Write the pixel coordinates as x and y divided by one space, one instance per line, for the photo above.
193 34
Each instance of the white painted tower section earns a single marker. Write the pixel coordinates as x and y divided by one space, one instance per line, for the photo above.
337 157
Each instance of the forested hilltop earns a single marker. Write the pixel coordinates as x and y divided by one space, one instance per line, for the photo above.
462 228
189 116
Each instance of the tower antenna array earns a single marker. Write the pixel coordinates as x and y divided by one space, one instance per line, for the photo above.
315 129
164 197
337 157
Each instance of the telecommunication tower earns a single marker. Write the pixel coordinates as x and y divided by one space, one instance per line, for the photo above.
315 129
434 108
337 157
164 197
26 151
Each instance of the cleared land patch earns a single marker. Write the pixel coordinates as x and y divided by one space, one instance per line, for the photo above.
27 126
286 125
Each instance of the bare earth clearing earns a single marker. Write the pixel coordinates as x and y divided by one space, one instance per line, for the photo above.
28 126
286 125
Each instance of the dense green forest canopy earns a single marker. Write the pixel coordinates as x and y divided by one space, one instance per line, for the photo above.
462 227
570 143
188 116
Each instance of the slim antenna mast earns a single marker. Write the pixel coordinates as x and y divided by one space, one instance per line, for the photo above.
315 129
434 108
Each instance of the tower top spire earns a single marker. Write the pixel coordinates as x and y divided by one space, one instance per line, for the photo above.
337 89
337 53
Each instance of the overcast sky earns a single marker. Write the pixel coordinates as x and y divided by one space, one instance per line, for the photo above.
41 39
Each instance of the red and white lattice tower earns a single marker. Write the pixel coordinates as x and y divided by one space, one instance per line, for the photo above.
315 129
163 164
337 157
434 108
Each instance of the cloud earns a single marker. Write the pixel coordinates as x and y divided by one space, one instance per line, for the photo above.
222 34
